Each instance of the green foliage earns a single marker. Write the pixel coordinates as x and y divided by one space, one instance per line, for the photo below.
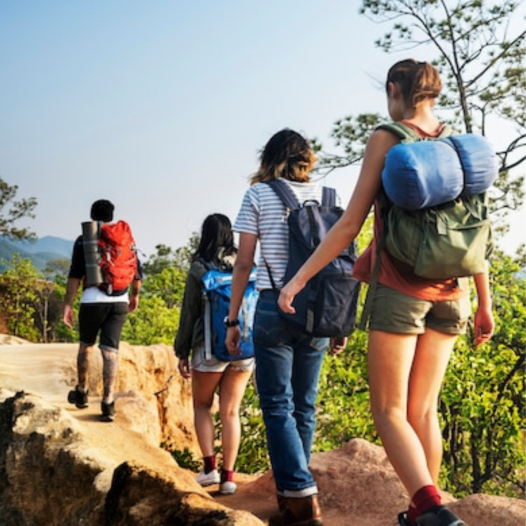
57 267
167 284
483 399
28 300
252 457
153 322
343 401
20 296
11 211
185 459
60 331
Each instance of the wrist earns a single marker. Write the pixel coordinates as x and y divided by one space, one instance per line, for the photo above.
230 322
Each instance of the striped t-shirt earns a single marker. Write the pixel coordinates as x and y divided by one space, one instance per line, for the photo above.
262 213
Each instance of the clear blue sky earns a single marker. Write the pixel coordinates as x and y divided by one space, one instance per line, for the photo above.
162 106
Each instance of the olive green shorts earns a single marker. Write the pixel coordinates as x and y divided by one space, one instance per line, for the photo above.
399 313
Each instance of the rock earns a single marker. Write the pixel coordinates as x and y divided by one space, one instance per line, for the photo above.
60 466
54 472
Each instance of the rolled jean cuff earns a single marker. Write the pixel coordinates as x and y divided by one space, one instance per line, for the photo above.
300 493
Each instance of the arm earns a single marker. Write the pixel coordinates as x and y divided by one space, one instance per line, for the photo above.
191 311
242 268
134 296
71 291
484 323
349 225
184 367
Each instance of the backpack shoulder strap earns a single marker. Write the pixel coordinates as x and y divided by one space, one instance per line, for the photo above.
403 132
285 193
407 134
328 197
447 131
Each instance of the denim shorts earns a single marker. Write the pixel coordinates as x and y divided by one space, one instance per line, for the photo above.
395 312
108 318
211 364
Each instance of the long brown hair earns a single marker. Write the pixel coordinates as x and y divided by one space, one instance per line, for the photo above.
418 81
287 154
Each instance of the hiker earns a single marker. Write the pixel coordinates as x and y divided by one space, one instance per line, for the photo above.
414 322
103 311
216 250
288 360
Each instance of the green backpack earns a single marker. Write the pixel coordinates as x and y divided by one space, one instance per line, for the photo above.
447 241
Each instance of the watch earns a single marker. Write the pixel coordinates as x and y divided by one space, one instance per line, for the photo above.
230 323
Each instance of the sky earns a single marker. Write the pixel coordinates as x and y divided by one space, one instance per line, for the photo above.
163 106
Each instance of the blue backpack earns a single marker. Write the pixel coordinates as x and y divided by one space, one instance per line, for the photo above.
326 307
217 291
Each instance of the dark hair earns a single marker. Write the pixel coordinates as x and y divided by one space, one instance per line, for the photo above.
418 81
102 210
287 154
216 233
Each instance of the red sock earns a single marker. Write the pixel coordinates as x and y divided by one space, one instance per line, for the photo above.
424 499
227 475
411 514
210 463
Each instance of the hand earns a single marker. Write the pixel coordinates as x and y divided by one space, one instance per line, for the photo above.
484 325
233 335
68 317
338 345
133 303
184 367
287 295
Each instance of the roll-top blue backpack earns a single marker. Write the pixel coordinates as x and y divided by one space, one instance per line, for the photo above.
217 291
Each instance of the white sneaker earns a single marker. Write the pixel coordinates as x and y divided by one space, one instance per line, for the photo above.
207 479
227 488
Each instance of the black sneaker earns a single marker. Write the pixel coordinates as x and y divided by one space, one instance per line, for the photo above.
108 411
78 398
402 519
439 516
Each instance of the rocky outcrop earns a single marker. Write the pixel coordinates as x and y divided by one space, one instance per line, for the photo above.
54 472
60 466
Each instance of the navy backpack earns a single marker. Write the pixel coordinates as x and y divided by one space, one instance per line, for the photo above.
326 307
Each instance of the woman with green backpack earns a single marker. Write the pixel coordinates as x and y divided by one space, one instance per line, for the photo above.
414 321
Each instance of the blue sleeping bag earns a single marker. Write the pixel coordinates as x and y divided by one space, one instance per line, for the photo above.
430 172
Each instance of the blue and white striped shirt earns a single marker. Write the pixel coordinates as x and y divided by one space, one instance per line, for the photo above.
262 213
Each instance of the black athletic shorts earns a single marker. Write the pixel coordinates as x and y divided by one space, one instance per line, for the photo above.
108 318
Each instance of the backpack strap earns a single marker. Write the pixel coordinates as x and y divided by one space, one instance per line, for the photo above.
328 196
407 134
367 306
289 199
285 193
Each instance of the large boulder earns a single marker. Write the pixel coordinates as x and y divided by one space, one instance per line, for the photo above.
56 471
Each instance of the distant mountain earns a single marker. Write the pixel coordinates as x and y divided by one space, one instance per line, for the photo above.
40 252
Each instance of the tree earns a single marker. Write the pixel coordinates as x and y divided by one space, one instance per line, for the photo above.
482 61
11 211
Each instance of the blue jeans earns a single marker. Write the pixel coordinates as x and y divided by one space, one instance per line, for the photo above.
288 364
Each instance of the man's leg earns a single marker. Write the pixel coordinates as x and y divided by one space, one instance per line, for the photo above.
89 323
111 330
83 359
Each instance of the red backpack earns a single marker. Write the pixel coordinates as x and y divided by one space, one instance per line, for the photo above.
118 257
